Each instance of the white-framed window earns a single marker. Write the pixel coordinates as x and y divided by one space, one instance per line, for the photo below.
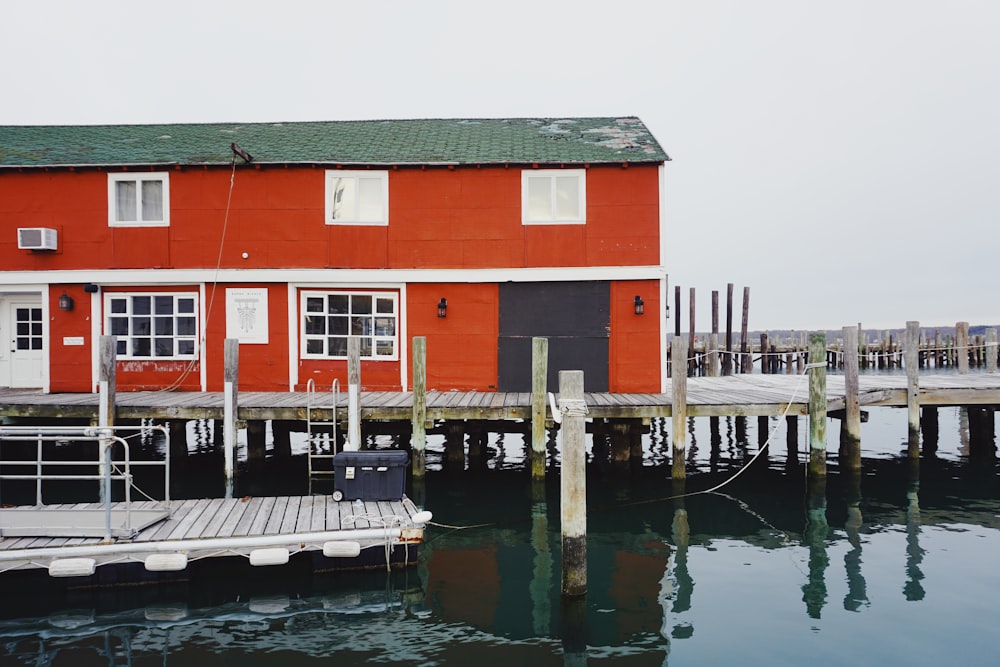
155 325
554 196
357 197
139 200
330 318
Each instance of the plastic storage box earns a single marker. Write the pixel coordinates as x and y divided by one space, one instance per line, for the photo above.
369 474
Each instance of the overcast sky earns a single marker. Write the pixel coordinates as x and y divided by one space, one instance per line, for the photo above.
839 158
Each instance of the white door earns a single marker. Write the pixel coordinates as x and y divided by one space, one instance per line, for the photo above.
22 329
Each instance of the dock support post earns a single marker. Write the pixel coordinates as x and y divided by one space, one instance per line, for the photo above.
912 359
418 440
962 347
106 389
256 441
353 394
678 406
817 404
539 378
573 484
231 356
712 369
727 360
850 427
991 350
746 359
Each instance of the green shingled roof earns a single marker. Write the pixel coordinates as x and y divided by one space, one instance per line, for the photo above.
377 142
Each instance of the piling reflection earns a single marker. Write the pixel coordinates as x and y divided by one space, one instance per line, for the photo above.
857 588
913 589
814 592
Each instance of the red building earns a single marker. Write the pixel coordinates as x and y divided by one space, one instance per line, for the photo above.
294 237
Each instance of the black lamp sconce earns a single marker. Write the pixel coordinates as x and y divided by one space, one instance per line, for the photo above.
65 302
443 307
640 307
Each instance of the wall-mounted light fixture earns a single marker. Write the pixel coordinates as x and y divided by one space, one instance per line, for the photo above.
443 307
640 307
65 302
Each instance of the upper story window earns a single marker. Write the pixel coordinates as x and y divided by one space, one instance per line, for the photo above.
330 318
139 200
156 325
357 197
553 197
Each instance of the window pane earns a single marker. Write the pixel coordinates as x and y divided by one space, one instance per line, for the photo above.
384 306
36 343
314 346
121 347
185 305
338 347
141 305
568 198
314 304
539 198
337 304
125 204
164 347
36 314
164 326
36 328
185 347
366 347
119 326
164 305
118 306
337 325
140 347
141 326
314 325
361 304
23 328
361 326
152 200
385 348
344 200
370 200
185 326
385 326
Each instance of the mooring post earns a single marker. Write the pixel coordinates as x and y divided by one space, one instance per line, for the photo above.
746 360
106 398
962 346
678 406
418 439
692 359
912 360
991 350
712 369
727 361
539 378
850 440
573 484
353 394
230 405
817 404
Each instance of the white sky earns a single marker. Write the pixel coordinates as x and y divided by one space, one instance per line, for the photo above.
839 158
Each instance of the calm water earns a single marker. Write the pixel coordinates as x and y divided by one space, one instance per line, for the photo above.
899 567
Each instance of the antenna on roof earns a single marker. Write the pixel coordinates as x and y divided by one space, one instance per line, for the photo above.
237 150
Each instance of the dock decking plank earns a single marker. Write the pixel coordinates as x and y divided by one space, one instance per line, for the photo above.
273 525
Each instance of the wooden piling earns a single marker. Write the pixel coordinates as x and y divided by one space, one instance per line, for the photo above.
231 368
678 407
712 367
692 362
353 394
107 381
744 357
817 405
991 350
962 346
727 360
911 360
850 440
573 484
539 378
677 310
418 438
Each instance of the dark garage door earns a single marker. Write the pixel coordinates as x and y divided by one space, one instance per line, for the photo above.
574 316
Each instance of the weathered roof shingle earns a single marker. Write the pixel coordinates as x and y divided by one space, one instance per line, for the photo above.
376 142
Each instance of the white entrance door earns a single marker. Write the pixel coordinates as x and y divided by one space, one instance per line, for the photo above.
23 339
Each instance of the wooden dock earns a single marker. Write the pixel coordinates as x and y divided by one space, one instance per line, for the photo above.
737 395
266 530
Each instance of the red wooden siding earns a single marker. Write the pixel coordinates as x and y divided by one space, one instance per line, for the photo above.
635 339
69 365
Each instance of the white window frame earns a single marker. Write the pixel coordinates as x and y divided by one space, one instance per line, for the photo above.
124 341
369 353
551 175
138 179
352 179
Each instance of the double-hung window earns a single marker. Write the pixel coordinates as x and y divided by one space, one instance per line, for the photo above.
153 325
554 196
357 197
139 200
329 319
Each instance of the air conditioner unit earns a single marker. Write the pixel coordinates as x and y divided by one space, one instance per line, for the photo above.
37 238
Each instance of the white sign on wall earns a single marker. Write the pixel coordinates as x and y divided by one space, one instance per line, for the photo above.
246 314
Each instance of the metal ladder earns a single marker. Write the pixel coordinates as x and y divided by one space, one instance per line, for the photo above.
316 439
